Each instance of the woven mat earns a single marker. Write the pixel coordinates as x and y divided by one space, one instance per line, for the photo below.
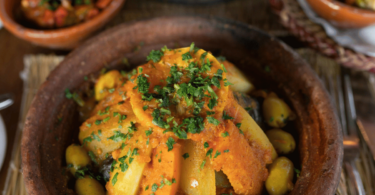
37 68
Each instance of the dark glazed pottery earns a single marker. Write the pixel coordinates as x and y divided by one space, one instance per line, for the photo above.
52 121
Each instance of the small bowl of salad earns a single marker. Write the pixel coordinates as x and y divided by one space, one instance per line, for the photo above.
346 13
58 24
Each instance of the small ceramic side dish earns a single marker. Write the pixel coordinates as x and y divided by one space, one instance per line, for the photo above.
343 15
64 38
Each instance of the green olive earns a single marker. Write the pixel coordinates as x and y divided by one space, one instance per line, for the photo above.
282 141
76 157
279 181
275 111
88 186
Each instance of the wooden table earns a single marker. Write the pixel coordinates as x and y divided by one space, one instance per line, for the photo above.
12 49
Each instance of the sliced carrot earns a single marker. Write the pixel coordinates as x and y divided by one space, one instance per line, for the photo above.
233 155
253 133
162 175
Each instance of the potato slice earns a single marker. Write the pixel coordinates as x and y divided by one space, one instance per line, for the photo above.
239 81
233 155
105 83
253 133
163 172
194 180
103 133
128 182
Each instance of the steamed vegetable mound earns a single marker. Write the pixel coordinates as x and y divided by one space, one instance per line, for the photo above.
173 126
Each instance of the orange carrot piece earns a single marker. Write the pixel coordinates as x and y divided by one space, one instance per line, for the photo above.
233 155
165 167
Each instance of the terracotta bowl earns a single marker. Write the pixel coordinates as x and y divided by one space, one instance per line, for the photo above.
64 38
343 15
52 121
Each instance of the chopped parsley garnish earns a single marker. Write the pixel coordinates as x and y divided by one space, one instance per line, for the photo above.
98 122
170 142
92 156
192 47
212 103
148 132
206 145
186 155
95 137
155 55
213 120
68 94
297 172
227 83
186 56
111 90
146 188
100 132
226 151
106 119
124 166
145 107
158 118
238 125
118 136
210 113
132 127
271 119
143 84
87 140
209 152
123 146
203 163
88 125
217 154
165 111
114 179
226 116
248 109
154 187
135 152
225 134
164 49
113 165
131 160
